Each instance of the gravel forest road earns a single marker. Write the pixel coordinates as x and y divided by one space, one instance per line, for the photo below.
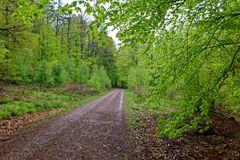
95 131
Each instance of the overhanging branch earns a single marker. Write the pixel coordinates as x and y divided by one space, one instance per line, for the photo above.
228 67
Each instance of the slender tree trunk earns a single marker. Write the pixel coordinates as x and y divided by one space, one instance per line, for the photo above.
62 37
81 42
6 42
68 36
58 18
88 49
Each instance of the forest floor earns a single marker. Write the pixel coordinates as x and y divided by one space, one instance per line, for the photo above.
97 130
221 143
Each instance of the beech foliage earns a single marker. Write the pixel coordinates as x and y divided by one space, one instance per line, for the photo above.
184 53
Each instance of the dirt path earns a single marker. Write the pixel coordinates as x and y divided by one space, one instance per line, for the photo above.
96 131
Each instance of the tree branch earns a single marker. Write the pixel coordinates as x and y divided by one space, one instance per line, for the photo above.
229 67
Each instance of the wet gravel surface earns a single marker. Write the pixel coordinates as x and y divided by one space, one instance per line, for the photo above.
95 131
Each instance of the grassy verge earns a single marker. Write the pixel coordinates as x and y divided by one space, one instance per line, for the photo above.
16 101
84 100
133 108
136 105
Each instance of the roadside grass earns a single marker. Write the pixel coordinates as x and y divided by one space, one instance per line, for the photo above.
136 105
133 108
81 101
20 100
164 107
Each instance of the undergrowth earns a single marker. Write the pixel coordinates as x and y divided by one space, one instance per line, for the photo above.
17 101
134 108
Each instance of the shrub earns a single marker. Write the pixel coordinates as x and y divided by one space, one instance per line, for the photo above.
58 74
22 65
42 73
104 79
99 79
8 72
94 81
69 68
138 78
81 74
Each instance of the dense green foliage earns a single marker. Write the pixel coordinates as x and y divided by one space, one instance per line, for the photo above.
40 44
189 48
99 79
183 54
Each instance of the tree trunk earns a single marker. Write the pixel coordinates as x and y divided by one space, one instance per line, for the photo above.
68 36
